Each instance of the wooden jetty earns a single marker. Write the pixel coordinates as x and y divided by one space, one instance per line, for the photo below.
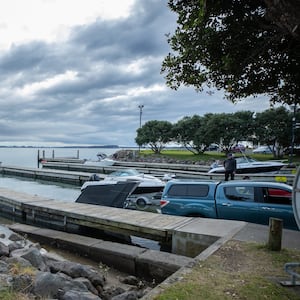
75 173
188 236
74 178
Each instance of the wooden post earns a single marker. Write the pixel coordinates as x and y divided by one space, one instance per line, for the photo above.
53 155
275 234
77 154
38 159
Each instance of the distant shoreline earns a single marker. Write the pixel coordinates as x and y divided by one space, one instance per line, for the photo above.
86 147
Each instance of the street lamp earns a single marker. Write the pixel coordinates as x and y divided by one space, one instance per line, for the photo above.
141 112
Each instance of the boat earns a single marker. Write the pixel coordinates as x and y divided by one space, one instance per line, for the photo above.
145 192
246 165
103 161
113 194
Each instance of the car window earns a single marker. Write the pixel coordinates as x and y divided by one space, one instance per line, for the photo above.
189 190
278 196
240 193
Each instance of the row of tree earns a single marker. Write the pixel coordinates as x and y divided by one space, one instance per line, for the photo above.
275 127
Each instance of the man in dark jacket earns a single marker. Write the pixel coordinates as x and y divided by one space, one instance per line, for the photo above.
230 167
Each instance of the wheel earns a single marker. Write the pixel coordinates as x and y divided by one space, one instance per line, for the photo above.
141 202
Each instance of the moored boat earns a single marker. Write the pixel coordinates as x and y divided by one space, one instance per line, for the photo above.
247 165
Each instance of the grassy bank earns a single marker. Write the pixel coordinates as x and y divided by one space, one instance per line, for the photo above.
208 157
238 270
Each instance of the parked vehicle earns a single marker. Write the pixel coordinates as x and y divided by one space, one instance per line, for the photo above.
263 150
238 148
213 147
243 200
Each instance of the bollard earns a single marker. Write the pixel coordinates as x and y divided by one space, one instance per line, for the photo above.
275 234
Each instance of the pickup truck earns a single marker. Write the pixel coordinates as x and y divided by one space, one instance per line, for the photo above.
244 200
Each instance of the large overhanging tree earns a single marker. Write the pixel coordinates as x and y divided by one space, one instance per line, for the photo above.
239 46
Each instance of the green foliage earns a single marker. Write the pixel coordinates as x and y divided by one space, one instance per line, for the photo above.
190 133
272 127
232 45
155 133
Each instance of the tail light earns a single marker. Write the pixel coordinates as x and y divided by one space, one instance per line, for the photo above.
163 202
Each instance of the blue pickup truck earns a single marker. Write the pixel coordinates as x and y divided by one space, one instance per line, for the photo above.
244 200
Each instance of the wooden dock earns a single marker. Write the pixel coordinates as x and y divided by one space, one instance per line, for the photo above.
74 173
124 221
187 235
63 176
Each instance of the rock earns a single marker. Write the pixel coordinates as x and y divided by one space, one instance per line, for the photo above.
111 292
75 295
129 295
15 237
50 285
88 284
27 268
132 280
78 270
3 267
20 261
5 281
14 246
22 283
33 255
4 250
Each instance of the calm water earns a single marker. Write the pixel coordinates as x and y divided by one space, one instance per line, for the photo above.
27 157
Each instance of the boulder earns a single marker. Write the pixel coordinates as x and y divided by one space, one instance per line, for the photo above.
50 285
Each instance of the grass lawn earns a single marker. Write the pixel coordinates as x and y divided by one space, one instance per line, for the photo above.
212 155
237 270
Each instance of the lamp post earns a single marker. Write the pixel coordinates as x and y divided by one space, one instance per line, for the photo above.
141 112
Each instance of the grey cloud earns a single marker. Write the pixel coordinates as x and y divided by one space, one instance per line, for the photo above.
100 105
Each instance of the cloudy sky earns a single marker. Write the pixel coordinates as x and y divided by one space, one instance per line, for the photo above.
75 72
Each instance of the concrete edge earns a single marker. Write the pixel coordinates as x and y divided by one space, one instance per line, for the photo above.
179 274
145 263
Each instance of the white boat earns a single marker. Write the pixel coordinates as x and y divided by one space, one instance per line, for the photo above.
103 161
144 192
247 165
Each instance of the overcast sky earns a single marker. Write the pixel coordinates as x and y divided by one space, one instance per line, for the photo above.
75 72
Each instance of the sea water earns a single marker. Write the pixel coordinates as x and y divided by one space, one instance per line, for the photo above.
28 157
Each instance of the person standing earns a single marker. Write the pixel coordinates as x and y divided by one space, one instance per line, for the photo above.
230 167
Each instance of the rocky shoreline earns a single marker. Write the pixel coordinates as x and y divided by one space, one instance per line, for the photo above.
135 156
28 269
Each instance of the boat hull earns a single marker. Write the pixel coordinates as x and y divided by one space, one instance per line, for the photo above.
113 195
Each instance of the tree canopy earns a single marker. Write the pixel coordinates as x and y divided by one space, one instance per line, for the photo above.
275 127
235 45
154 133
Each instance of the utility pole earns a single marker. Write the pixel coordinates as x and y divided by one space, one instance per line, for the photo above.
141 112
141 106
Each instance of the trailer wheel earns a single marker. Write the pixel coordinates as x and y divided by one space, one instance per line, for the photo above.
141 202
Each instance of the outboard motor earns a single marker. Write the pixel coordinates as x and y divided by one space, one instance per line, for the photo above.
94 177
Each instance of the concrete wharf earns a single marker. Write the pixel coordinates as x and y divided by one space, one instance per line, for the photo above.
187 236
